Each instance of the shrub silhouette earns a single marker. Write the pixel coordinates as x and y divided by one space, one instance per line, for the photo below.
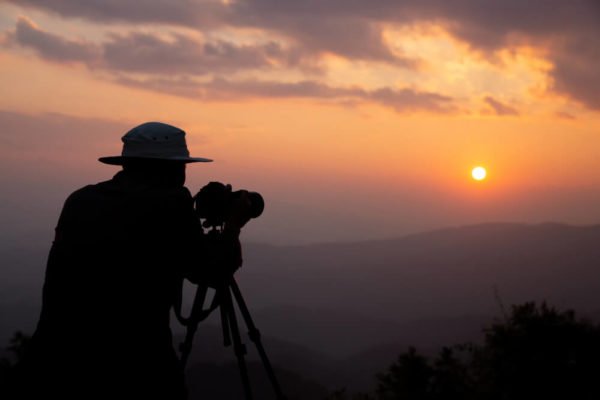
535 352
408 378
9 364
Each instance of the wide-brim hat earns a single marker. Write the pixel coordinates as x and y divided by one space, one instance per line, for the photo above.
154 140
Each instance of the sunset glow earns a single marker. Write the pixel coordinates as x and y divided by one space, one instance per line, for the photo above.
387 178
308 113
479 173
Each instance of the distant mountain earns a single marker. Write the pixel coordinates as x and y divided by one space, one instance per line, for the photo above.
436 276
213 370
344 298
340 333
358 347
371 345
209 349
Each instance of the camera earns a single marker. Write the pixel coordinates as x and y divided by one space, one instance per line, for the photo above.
216 201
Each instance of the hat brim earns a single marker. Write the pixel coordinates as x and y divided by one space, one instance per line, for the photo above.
119 160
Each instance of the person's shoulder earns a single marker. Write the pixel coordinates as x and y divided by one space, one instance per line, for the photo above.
87 192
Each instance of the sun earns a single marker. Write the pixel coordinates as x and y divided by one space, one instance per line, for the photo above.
479 173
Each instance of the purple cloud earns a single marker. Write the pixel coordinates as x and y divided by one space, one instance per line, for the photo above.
150 53
53 47
401 100
568 30
143 52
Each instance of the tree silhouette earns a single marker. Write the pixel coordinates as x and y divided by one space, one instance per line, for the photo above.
450 379
535 352
9 364
408 378
341 394
539 352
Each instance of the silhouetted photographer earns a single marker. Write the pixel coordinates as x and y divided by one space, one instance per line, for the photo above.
115 270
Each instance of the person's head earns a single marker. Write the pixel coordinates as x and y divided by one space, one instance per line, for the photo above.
161 172
155 149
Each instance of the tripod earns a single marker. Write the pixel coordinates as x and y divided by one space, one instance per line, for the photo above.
231 333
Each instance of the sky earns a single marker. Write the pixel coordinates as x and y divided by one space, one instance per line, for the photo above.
355 119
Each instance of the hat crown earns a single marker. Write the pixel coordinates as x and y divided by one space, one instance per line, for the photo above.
154 140
153 132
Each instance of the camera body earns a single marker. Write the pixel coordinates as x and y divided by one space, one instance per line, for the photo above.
215 202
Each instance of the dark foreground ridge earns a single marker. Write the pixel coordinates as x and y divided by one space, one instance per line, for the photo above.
532 351
357 305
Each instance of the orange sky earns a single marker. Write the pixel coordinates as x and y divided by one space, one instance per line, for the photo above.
388 139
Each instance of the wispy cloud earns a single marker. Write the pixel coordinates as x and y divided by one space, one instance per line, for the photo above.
311 26
565 115
190 67
401 100
53 47
151 53
568 30
500 108
143 52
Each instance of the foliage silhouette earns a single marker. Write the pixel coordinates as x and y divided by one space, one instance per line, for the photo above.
535 352
341 394
409 377
9 364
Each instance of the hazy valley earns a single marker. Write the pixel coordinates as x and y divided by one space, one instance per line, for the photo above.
334 314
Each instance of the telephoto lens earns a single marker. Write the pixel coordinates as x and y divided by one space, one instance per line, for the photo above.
257 204
214 203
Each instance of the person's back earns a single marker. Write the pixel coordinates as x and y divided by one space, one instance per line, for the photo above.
110 282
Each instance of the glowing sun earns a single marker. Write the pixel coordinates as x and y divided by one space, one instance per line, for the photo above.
478 173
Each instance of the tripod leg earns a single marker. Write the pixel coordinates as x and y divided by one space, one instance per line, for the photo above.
192 324
254 335
238 347
224 309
